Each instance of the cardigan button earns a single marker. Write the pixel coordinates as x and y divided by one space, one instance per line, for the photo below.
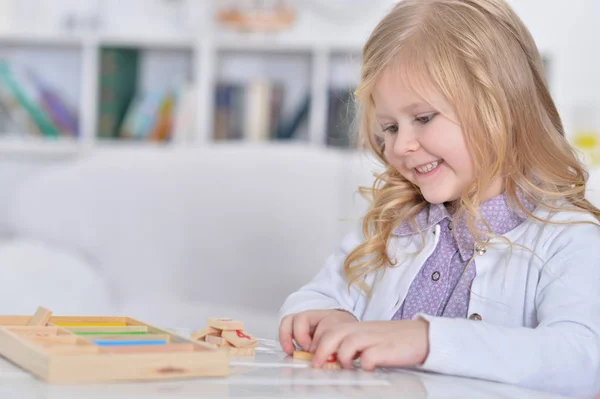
475 316
480 249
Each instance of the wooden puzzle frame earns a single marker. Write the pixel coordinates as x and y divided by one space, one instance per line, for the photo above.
73 349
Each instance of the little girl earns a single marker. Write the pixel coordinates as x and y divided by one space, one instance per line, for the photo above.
480 255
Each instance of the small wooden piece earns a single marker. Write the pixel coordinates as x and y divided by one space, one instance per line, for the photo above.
240 339
216 340
242 351
302 355
332 366
199 335
227 334
41 317
225 324
331 363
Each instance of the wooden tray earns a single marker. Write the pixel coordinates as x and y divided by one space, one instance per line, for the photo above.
73 349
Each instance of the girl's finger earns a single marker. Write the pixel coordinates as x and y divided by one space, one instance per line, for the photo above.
301 331
328 345
380 355
370 358
285 334
351 348
321 329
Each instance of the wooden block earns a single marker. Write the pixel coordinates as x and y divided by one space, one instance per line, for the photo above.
199 335
34 331
242 351
213 346
108 330
54 339
20 321
332 366
332 362
91 324
92 320
148 349
225 324
215 340
127 337
240 339
129 342
302 355
41 317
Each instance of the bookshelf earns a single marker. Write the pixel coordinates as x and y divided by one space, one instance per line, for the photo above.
305 69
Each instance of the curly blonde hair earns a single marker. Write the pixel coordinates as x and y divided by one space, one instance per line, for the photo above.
482 59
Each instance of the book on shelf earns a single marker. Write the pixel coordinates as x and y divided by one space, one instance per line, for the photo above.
126 112
253 112
341 127
117 88
158 115
30 107
184 113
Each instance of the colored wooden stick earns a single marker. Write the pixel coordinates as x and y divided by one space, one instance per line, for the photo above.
132 343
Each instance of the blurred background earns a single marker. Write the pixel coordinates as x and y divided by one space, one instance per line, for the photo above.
178 159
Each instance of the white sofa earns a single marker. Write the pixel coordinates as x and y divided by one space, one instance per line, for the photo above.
176 236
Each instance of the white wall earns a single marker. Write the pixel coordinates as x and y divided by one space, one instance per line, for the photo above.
569 32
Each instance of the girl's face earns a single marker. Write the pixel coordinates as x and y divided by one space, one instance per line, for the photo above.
424 142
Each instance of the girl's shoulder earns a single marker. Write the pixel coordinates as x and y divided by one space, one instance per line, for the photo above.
567 215
551 229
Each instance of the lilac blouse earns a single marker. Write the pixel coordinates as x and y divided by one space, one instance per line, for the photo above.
441 288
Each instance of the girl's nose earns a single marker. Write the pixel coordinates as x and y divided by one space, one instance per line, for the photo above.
405 142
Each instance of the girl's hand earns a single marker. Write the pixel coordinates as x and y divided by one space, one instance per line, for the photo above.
302 327
377 343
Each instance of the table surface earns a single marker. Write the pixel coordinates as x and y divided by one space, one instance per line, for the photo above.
271 374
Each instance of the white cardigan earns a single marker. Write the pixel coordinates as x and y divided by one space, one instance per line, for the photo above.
540 325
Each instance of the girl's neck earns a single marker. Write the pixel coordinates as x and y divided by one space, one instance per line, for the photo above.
452 206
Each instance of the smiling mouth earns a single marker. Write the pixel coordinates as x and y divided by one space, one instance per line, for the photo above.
428 168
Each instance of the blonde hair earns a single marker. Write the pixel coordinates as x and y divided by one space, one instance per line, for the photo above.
482 59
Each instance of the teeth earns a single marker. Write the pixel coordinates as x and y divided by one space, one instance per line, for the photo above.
428 168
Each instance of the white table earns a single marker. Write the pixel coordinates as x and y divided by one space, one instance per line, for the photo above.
271 374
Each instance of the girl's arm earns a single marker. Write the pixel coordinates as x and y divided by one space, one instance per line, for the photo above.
329 289
561 354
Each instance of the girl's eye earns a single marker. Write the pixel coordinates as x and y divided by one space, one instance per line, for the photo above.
425 119
390 129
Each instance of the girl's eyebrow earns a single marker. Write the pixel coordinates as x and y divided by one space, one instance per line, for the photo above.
409 108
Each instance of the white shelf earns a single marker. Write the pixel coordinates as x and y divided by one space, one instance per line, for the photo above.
28 39
41 147
283 45
264 45
175 43
119 144
205 53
